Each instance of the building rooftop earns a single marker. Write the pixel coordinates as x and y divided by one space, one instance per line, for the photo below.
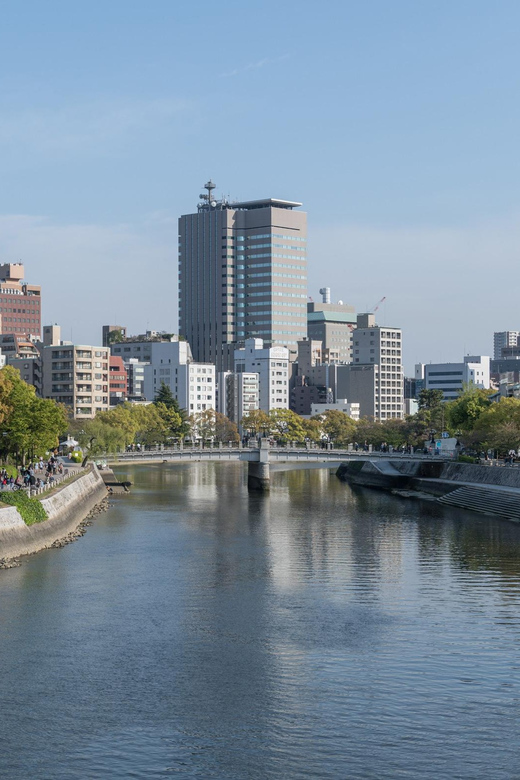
265 203
331 316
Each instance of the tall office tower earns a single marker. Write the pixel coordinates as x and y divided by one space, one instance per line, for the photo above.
502 339
242 274
20 303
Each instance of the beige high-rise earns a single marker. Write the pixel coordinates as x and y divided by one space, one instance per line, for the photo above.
242 274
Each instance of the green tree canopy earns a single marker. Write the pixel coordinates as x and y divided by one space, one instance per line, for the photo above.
30 425
255 422
465 410
338 426
165 397
286 424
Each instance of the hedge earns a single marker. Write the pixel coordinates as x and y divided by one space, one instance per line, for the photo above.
31 509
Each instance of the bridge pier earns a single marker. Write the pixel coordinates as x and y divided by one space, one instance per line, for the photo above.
258 471
258 476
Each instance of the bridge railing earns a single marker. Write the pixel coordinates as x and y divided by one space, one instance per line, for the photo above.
275 454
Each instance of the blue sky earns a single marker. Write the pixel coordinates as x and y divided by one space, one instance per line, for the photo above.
395 123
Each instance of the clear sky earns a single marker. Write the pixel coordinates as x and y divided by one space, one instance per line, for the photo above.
395 122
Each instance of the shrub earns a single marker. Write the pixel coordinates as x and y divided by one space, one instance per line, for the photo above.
467 459
31 509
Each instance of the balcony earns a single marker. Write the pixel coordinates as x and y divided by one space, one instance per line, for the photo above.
62 353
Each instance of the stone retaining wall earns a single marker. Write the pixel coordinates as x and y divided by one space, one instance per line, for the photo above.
65 508
460 472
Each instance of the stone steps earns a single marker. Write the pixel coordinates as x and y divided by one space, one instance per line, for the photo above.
498 503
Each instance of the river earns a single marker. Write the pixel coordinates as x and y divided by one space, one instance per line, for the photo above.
198 631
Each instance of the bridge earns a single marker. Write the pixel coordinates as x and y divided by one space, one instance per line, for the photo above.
259 457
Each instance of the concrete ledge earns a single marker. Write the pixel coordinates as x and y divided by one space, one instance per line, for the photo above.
66 508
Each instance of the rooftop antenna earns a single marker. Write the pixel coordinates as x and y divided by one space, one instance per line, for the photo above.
209 186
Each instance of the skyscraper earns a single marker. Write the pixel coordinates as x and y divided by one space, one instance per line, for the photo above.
242 274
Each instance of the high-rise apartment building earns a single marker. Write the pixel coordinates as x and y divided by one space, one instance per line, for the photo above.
502 339
272 366
77 376
238 394
380 345
242 274
20 303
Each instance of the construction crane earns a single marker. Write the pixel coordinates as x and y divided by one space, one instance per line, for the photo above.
378 304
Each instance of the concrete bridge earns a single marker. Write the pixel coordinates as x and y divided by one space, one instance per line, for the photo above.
260 457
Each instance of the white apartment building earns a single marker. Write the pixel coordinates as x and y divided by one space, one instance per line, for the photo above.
238 394
380 346
451 378
77 376
171 363
341 405
272 366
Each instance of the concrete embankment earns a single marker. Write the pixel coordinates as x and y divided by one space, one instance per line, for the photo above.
66 507
489 489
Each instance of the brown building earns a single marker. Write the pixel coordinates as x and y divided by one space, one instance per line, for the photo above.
20 303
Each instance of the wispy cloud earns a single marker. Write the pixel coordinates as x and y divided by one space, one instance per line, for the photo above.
254 66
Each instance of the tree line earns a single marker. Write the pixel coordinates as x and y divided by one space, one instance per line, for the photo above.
31 426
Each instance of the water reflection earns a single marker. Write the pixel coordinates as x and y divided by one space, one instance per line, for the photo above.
316 632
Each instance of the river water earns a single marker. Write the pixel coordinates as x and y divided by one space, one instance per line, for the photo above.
198 631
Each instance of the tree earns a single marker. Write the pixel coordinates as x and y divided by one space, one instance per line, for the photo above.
255 422
370 431
286 424
464 411
202 425
430 399
115 336
312 428
498 427
225 429
30 425
338 426
165 397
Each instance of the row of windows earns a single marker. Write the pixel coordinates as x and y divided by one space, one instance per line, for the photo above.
282 275
274 265
280 304
20 319
17 311
274 292
274 254
278 284
277 246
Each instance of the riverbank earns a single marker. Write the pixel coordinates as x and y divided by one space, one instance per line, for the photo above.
66 507
491 490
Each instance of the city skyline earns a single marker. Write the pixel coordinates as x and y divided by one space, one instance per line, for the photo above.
395 127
